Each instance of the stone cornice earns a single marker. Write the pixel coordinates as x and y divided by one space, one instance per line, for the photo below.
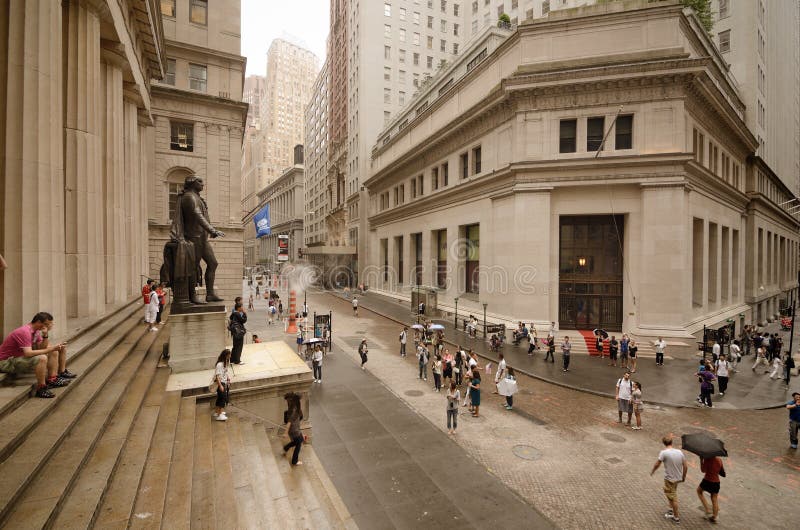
759 204
703 181
200 50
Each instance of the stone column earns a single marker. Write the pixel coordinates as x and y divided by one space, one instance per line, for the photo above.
84 267
31 162
131 198
212 176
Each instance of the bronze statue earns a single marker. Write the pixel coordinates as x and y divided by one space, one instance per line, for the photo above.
189 245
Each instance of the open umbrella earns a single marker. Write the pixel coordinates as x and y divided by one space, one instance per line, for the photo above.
418 326
703 445
312 340
600 333
436 327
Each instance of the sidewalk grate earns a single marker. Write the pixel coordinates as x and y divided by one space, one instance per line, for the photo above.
526 452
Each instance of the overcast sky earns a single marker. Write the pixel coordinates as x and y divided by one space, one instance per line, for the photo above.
303 22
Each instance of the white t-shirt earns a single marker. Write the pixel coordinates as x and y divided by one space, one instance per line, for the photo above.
673 464
625 388
715 349
355 302
403 337
501 370
722 368
221 372
317 357
154 305
660 345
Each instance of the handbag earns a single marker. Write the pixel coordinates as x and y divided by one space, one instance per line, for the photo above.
212 386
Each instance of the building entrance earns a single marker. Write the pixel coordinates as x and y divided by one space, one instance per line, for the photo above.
590 272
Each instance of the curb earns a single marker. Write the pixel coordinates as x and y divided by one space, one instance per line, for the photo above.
548 380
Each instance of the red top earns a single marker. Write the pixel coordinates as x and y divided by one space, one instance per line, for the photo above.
161 295
146 294
18 339
711 467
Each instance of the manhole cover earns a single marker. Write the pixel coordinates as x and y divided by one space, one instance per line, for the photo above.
526 452
611 437
613 460
505 432
414 393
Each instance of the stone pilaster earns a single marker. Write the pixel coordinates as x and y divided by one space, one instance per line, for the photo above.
31 162
84 266
132 196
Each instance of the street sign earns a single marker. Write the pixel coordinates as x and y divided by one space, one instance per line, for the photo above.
283 247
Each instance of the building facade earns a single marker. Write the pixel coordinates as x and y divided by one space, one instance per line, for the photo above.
253 94
604 182
199 122
76 116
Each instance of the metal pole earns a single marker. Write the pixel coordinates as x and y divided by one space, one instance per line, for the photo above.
455 318
484 320
330 331
791 333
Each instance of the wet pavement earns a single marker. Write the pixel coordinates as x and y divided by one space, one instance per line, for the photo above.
672 384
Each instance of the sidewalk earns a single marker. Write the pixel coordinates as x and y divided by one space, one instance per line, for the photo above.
673 384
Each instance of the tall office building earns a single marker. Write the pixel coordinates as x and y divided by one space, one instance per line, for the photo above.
761 42
253 94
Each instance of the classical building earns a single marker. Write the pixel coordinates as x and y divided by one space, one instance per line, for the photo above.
286 199
199 122
606 181
76 115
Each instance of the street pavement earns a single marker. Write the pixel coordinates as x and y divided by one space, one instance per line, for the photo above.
560 450
672 384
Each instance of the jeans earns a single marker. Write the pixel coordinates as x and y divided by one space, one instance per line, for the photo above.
423 371
297 442
236 352
452 415
550 356
437 381
659 358
566 362
794 426
723 383
510 401
705 396
317 371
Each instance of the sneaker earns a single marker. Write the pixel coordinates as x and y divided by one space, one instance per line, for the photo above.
722 393
793 446
66 374
509 408
57 382
221 417
668 514
44 393
214 415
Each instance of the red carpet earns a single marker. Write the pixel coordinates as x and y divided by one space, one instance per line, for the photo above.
589 338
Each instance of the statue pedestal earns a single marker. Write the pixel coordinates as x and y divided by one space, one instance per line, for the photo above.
196 338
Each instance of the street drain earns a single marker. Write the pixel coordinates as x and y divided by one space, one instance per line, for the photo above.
526 452
613 460
413 393
611 437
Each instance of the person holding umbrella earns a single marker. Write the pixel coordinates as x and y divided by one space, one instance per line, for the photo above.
709 450
675 469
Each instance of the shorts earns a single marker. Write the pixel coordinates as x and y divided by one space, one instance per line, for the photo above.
711 487
624 405
637 408
149 315
18 365
670 490
613 354
299 340
355 308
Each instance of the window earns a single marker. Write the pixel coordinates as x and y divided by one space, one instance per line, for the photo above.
387 10
386 117
476 160
435 178
402 13
474 7
416 83
455 30
387 52
387 73
445 168
198 75
402 98
402 35
198 11
168 9
724 8
444 6
725 41
464 165
474 27
416 39
594 133
514 4
414 188
416 58
401 77
567 136
430 42
697 146
545 7
623 137
169 77
387 95
402 56
443 26
441 258
387 31
455 48
430 22
416 18
420 185
430 62
455 10
402 193
173 190
443 45
181 136
472 253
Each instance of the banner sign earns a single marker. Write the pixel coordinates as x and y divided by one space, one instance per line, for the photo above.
283 247
261 220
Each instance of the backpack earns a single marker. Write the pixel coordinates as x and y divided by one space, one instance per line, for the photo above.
630 384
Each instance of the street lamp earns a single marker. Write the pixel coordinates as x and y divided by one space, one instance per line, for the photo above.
455 318
484 319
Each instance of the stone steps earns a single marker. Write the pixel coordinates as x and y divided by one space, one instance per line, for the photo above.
40 468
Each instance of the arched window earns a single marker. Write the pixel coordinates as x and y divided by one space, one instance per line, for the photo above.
174 180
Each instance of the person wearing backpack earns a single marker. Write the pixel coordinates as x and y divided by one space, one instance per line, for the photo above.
624 396
723 367
236 324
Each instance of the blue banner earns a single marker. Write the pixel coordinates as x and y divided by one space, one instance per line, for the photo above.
261 219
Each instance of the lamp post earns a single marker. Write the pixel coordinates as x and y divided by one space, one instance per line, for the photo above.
455 318
484 319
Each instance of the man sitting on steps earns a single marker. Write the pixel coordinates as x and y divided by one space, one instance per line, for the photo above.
17 355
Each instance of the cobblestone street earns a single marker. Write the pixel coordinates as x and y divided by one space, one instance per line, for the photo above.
564 452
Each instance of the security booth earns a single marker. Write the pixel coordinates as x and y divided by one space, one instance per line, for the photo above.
426 296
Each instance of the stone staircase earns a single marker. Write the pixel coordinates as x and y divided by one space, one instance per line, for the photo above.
115 450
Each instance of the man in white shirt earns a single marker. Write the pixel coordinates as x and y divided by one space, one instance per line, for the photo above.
675 469
403 340
715 350
501 372
624 397
355 306
736 356
660 346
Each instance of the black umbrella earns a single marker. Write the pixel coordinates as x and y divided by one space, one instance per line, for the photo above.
600 333
703 445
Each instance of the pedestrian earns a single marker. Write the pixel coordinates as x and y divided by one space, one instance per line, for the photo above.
447 368
532 343
551 350
735 356
475 392
271 311
633 349
280 309
612 351
624 396
468 381
761 358
151 311
436 368
258 290
355 306
403 340
675 469
500 374
222 381
794 418
161 301
236 324
660 347
453 397
316 363
623 352
422 359
716 349
508 387
723 368
636 397
788 366
299 339
713 469
294 415
362 352
256 340
747 338
250 302
706 386
566 347
598 345
777 368
458 365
